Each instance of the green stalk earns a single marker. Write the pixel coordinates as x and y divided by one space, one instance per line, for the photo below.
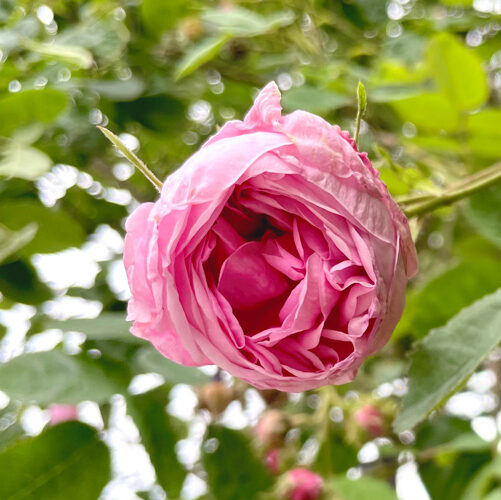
465 188
139 164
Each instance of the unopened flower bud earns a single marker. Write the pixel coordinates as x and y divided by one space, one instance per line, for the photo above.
272 428
215 397
302 484
370 418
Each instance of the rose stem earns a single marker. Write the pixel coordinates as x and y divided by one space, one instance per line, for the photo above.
465 188
132 158
362 107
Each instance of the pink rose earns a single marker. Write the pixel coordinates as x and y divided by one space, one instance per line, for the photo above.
274 252
303 484
62 413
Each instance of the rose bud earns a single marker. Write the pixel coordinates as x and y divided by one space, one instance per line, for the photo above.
274 252
302 484
62 413
272 460
273 397
272 428
215 397
371 419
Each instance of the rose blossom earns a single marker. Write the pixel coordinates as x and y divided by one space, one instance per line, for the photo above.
303 484
274 252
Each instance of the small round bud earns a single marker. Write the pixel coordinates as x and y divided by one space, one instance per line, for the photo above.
215 397
371 419
302 484
272 460
272 428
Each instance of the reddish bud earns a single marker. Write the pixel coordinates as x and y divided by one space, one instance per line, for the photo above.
272 460
272 428
302 484
371 419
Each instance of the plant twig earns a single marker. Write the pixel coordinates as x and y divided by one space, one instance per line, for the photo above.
464 188
139 164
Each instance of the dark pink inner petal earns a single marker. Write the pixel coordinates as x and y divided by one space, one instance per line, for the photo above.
297 295
246 279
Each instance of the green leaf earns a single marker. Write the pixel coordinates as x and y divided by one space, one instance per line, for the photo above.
485 133
461 285
334 455
12 241
161 16
24 108
77 56
200 54
107 326
484 212
429 112
494 495
159 434
56 229
25 162
314 100
447 356
479 486
458 72
114 90
240 22
19 282
148 359
56 377
234 472
362 489
65 461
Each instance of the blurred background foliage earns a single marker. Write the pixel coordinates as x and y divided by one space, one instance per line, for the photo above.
164 75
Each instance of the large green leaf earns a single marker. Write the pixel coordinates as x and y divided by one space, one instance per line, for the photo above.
481 484
458 72
69 54
484 212
314 100
363 489
24 108
234 472
148 359
159 434
57 230
429 112
56 377
19 282
444 296
107 326
334 454
240 22
23 161
161 16
12 241
447 356
66 461
200 54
